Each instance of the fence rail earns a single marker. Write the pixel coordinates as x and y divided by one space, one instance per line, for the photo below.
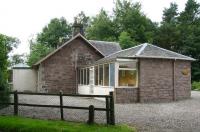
109 107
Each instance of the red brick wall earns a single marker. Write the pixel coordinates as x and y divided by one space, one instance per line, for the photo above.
59 69
156 80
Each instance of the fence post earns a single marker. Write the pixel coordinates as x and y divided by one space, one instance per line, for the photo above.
15 103
61 106
107 110
91 115
112 109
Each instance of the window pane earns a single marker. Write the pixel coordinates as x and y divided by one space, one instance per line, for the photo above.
96 75
112 74
88 76
106 75
84 76
127 64
100 74
127 77
81 76
78 74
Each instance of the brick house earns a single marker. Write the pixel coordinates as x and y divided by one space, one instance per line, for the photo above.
58 70
144 73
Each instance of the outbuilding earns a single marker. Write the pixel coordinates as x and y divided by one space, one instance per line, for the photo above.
24 78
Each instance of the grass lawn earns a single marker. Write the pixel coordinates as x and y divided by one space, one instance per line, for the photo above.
19 124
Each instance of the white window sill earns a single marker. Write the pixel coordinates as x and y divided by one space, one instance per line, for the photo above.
125 87
103 86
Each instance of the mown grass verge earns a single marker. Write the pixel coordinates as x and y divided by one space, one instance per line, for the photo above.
19 124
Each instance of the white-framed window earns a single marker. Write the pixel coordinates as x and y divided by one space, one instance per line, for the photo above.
83 76
102 75
100 78
88 76
96 75
79 76
127 74
112 74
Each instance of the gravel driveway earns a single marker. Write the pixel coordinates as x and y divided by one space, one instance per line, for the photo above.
179 116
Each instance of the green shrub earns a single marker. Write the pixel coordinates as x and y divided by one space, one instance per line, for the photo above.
6 45
4 91
4 98
196 86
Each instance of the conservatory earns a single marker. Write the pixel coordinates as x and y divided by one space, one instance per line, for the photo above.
104 77
144 73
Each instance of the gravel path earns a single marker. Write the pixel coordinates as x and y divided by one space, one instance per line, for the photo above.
179 116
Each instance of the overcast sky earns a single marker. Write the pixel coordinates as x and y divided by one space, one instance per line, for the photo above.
25 18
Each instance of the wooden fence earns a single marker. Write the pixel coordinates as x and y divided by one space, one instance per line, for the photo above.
109 107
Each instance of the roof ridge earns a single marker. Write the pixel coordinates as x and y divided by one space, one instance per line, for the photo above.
141 49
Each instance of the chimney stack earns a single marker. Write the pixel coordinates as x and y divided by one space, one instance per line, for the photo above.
77 27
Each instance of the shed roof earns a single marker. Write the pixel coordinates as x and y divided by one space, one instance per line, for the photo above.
21 66
145 51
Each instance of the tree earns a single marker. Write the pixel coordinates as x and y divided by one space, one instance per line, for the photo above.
170 14
53 35
168 33
4 62
180 32
129 18
191 13
57 31
126 41
37 52
127 25
9 42
16 59
189 26
6 45
101 28
83 19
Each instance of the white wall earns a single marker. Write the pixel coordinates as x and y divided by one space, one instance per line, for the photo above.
102 90
24 80
83 89
96 90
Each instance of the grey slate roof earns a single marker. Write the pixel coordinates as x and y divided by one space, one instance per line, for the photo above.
105 47
145 51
